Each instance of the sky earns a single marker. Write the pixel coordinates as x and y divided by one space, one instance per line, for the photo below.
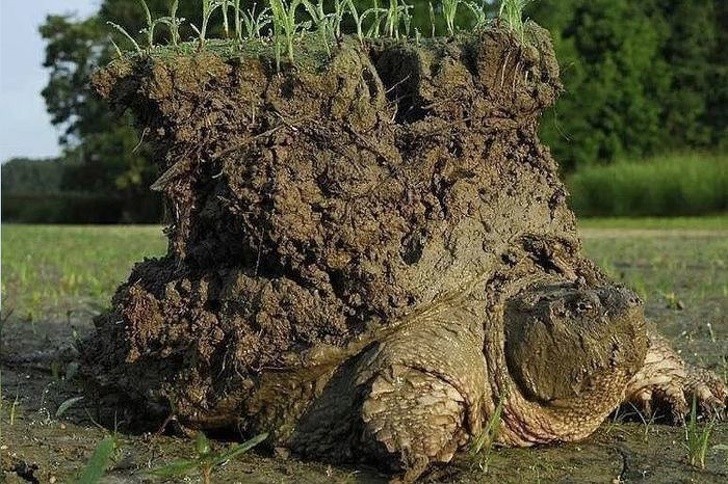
25 127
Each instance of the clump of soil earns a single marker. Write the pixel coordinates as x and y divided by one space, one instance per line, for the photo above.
314 208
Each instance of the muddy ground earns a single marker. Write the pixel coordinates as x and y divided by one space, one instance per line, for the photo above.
37 446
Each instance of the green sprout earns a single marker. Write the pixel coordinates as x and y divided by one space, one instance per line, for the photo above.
253 23
481 18
511 12
99 461
172 22
482 445
123 31
285 27
449 10
396 14
224 6
340 9
289 25
208 7
433 22
697 438
374 29
149 30
205 460
324 23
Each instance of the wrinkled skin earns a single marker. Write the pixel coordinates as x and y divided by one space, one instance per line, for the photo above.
572 355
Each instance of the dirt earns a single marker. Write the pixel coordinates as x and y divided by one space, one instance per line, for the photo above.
316 207
43 446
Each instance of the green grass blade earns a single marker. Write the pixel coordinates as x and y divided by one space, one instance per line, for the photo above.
240 449
66 405
99 462
126 34
175 469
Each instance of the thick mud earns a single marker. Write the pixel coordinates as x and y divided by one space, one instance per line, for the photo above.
314 208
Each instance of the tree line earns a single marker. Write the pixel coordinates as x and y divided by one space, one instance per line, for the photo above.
640 79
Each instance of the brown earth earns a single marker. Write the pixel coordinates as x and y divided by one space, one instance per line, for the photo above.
314 208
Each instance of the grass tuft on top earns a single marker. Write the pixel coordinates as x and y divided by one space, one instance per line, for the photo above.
511 13
285 24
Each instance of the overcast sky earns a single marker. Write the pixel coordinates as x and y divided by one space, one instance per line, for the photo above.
25 127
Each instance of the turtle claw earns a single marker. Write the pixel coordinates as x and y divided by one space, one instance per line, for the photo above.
709 393
661 400
667 384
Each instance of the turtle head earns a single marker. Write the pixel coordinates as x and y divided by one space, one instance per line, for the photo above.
572 349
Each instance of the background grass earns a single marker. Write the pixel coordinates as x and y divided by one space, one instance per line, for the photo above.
50 270
681 184
712 222
656 264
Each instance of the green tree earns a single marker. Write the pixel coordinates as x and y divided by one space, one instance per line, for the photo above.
640 77
103 153
25 175
716 113
690 41
74 50
614 78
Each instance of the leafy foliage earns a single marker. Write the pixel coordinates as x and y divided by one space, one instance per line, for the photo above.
641 78
23 175
100 460
205 461
100 154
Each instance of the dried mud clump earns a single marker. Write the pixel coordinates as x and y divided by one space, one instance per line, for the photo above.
313 209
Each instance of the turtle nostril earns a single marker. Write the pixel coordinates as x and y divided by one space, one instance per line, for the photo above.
634 301
582 306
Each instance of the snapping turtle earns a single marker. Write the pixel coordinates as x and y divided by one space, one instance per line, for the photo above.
368 255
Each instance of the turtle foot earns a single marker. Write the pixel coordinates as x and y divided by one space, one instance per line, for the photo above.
412 419
667 386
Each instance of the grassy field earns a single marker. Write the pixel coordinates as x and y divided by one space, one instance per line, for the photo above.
714 222
55 278
51 270
680 184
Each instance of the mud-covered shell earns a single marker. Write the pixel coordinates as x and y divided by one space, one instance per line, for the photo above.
315 208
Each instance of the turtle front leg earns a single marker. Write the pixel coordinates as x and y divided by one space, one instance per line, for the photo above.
667 383
412 418
423 389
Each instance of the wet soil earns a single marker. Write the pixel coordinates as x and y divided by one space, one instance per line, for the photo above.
41 447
